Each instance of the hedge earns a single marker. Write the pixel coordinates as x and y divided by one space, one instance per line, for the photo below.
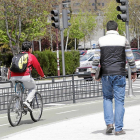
48 62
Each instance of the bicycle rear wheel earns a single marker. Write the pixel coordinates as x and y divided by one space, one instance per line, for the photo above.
14 110
37 106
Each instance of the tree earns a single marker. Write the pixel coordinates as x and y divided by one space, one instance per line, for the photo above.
134 16
27 15
82 24
110 13
3 35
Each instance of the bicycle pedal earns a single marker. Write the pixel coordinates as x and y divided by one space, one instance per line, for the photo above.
24 112
25 109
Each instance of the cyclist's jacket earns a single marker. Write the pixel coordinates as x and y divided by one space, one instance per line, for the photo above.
112 52
32 61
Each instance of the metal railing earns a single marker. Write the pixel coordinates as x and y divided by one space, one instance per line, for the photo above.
56 89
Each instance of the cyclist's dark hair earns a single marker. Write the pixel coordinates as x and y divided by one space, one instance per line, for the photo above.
26 45
111 25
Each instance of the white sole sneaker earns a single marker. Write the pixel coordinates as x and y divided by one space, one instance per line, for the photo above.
28 105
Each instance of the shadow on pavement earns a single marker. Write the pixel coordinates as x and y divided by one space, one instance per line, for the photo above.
104 131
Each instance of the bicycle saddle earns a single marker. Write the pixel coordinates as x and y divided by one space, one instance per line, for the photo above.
18 81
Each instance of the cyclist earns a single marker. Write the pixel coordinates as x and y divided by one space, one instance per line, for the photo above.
25 77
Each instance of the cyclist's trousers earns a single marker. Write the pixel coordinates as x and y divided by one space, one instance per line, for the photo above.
28 83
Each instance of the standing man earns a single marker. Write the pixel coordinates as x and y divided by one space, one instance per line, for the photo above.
111 52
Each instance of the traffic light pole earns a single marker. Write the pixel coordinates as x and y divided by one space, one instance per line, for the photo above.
124 8
62 49
130 90
58 68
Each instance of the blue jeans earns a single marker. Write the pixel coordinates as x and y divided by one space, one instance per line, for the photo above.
114 86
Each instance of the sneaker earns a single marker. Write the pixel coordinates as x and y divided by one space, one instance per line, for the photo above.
27 104
109 128
122 132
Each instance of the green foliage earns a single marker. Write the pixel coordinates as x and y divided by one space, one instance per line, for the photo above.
71 44
48 62
81 24
26 20
36 29
74 57
110 13
52 62
3 35
71 61
44 62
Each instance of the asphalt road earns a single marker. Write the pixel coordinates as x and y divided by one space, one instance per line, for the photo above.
58 112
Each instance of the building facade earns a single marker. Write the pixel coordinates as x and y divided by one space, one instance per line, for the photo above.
89 5
84 5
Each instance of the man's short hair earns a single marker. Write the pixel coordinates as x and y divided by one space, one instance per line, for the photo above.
26 45
112 25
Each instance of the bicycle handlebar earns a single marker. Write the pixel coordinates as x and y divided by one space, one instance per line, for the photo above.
39 78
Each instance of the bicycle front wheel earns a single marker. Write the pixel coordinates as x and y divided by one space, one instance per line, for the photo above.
37 106
14 111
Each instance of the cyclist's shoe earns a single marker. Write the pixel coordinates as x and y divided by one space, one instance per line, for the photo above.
26 103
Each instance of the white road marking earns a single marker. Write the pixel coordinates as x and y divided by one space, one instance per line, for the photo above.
54 104
130 101
4 124
3 117
68 105
136 91
66 112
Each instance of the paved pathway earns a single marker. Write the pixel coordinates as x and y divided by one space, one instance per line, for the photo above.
90 127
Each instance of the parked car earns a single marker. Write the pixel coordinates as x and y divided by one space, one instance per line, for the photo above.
82 52
137 62
135 50
85 65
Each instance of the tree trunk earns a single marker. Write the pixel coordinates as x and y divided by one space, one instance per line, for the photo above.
7 30
84 43
51 43
67 39
17 32
75 43
33 45
51 38
10 44
39 44
90 42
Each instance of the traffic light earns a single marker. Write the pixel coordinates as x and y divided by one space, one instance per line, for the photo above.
124 9
55 18
65 18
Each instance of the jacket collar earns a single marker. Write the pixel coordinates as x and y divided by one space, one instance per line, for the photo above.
112 32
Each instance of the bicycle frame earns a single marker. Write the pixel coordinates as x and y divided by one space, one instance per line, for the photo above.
20 93
21 86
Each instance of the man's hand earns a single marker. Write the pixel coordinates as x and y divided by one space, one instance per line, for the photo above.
134 77
98 80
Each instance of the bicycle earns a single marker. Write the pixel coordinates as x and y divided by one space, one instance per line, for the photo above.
16 108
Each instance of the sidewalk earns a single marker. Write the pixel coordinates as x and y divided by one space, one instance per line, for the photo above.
90 127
